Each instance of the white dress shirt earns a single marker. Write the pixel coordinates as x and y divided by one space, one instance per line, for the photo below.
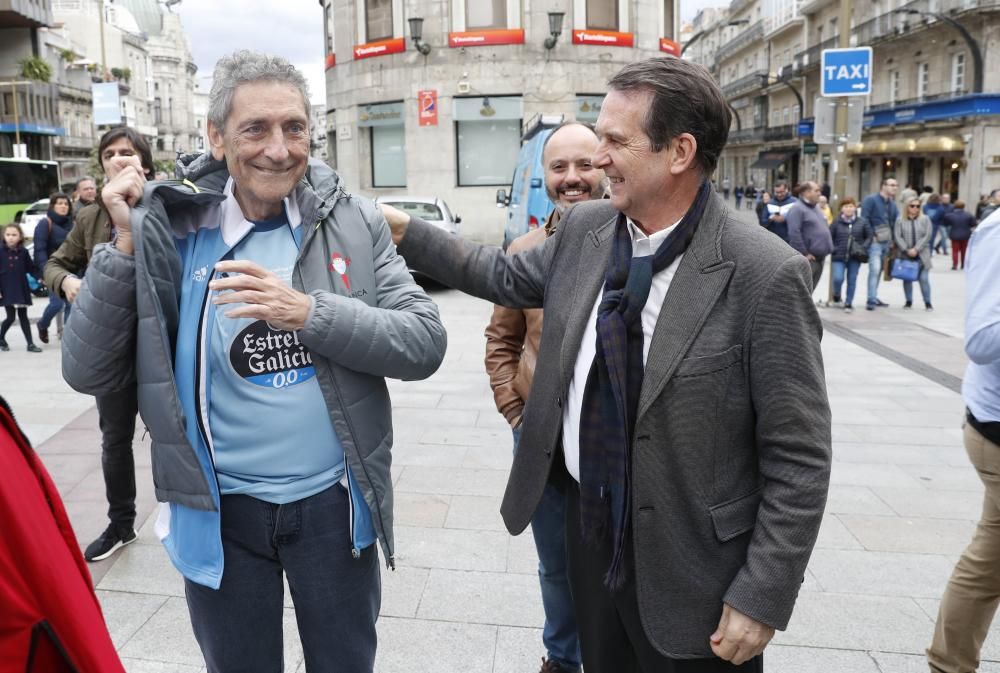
642 245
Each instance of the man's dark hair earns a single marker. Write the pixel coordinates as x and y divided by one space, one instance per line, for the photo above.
685 99
886 179
55 196
137 141
780 183
562 125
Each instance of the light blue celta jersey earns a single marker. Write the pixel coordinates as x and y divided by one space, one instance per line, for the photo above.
271 430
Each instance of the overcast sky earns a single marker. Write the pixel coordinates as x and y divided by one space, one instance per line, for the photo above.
291 28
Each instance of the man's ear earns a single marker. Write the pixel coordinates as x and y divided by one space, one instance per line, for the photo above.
215 141
685 149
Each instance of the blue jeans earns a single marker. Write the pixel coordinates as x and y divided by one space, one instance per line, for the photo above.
851 268
56 304
925 287
336 596
876 251
943 243
548 526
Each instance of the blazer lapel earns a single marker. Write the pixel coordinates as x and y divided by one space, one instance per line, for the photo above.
700 280
589 280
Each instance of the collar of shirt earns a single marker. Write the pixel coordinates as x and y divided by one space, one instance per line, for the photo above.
643 245
235 225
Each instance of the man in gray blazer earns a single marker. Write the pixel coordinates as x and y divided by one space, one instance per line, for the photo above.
679 396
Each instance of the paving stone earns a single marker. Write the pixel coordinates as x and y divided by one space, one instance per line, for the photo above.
144 569
419 646
843 499
991 647
522 557
435 455
133 665
962 478
921 536
452 481
893 454
933 504
449 548
166 637
402 590
518 650
789 659
482 598
404 420
420 509
475 513
466 435
834 535
414 399
870 474
880 573
125 613
490 457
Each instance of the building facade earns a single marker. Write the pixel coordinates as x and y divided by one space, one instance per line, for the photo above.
931 118
449 123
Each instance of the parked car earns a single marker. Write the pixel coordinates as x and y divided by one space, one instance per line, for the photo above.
428 208
32 214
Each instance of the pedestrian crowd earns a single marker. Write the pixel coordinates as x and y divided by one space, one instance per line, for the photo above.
252 309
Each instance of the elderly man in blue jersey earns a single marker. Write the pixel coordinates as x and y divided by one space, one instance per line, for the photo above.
264 306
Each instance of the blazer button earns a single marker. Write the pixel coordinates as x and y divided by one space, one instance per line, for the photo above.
559 402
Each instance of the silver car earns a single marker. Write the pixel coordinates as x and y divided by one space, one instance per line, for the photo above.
32 214
428 208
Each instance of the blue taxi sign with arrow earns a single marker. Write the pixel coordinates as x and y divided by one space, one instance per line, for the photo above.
846 72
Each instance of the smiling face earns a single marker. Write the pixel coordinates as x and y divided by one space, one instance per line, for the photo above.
265 144
570 176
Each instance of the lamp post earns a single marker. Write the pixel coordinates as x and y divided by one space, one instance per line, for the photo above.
416 33
701 33
555 29
977 52
766 81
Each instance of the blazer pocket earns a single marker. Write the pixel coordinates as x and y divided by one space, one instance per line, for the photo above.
735 517
707 364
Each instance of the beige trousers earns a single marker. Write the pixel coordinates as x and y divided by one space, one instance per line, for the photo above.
973 591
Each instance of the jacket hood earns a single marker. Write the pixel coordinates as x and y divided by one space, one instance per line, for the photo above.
210 173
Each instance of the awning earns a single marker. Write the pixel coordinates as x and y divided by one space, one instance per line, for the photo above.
771 160
919 145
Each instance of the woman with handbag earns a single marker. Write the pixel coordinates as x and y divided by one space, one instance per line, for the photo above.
913 253
851 237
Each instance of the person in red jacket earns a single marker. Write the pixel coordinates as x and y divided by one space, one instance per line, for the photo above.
50 620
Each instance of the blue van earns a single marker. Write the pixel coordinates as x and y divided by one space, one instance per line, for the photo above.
528 206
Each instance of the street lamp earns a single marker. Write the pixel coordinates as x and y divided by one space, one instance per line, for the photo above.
417 32
977 52
766 81
701 33
555 29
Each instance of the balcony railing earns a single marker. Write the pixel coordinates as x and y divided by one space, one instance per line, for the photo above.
893 24
808 59
745 38
738 87
786 132
914 101
746 136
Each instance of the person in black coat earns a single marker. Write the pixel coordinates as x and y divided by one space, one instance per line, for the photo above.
847 226
50 232
15 295
960 224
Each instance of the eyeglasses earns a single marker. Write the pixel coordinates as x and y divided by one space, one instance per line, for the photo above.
913 205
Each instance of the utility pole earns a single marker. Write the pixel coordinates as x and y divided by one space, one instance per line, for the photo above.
17 119
840 167
104 50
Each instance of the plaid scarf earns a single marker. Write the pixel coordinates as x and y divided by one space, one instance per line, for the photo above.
611 395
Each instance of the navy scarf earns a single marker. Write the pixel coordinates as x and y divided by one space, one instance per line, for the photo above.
611 395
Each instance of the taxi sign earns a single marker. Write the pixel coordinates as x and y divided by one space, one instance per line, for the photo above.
846 72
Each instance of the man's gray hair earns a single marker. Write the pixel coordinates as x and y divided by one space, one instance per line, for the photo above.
244 67
85 178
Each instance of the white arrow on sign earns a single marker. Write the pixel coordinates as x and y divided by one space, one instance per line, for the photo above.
859 86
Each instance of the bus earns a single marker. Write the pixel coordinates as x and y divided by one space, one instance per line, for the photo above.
22 182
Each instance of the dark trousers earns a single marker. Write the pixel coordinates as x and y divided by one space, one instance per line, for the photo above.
816 265
117 420
22 316
611 633
336 596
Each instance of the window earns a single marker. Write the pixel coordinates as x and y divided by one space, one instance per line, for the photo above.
958 72
488 139
388 156
378 20
923 75
485 14
893 86
668 20
602 14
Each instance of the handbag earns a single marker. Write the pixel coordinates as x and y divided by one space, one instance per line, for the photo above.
855 250
905 269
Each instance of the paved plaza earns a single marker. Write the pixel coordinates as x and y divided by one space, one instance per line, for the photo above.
464 597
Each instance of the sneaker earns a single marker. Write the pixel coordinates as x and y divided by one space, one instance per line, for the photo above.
869 307
3 345
928 307
879 302
43 334
32 348
848 308
550 666
110 541
908 305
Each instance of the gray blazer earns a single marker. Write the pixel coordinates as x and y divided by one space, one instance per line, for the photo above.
914 234
732 451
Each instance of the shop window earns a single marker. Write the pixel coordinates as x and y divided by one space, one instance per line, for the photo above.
485 14
378 20
488 139
958 72
602 14
388 156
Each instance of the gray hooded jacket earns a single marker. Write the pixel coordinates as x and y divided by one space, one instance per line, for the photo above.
380 324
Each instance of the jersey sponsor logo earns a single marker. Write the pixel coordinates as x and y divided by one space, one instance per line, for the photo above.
270 357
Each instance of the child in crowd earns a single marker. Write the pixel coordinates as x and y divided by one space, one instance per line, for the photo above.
15 296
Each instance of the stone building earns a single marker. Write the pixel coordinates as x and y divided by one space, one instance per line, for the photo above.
449 123
930 119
